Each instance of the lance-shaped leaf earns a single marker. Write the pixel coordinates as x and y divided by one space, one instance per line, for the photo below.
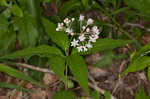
142 52
60 38
12 86
43 50
79 70
138 64
104 44
15 73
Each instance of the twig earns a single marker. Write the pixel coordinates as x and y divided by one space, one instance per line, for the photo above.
138 25
96 88
35 68
94 85
119 82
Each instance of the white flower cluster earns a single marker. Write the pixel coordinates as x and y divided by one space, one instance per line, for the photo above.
88 33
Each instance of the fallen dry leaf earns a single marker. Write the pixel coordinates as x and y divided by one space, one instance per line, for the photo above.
49 79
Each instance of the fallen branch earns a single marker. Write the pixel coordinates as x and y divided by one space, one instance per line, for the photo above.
138 25
35 68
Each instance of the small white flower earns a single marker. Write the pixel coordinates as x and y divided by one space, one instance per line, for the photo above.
84 48
92 39
62 24
66 20
71 34
82 38
73 19
83 27
88 45
87 30
95 30
80 48
74 43
95 36
57 29
90 21
68 30
81 18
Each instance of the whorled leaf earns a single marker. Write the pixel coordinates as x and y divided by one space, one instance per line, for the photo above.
60 38
43 50
104 44
142 52
79 70
138 64
27 31
12 86
17 74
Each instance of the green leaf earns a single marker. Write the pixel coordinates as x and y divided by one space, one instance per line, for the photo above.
60 38
28 34
107 95
64 95
79 70
148 73
11 86
38 62
16 10
141 5
57 64
3 3
69 6
141 94
142 52
106 60
15 73
6 42
138 64
105 44
85 3
120 10
46 1
96 95
28 52
3 24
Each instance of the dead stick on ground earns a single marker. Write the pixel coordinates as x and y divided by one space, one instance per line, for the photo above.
92 85
138 26
35 68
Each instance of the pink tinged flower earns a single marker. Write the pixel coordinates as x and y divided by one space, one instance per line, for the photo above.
92 39
74 43
95 30
95 36
81 18
88 45
82 38
90 21
80 48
